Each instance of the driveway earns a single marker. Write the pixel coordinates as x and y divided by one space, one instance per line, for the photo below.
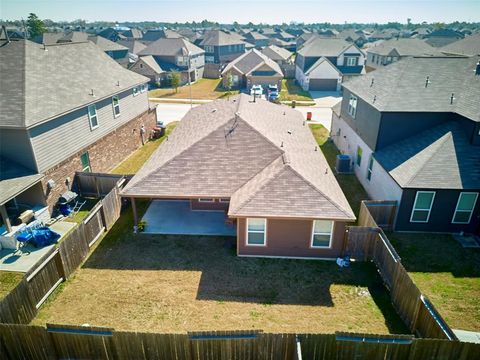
169 112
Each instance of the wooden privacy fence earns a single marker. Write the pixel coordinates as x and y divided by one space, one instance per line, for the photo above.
96 184
85 342
368 242
21 304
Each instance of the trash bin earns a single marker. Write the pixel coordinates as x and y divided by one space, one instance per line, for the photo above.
309 115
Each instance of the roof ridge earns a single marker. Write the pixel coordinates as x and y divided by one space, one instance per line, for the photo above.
445 137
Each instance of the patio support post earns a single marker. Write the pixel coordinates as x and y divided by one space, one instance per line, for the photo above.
6 220
135 216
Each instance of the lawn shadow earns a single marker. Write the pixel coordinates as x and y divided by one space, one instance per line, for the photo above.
415 250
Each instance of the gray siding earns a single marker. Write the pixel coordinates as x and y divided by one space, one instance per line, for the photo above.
366 122
15 145
441 215
56 140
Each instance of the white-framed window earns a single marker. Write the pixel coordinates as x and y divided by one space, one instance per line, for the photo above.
359 155
143 88
465 206
92 116
135 91
206 200
422 206
322 231
182 60
370 168
85 160
208 48
373 58
352 105
256 232
209 59
236 79
351 61
224 200
116 106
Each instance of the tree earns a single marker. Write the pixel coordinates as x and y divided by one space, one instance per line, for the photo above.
175 80
229 81
35 26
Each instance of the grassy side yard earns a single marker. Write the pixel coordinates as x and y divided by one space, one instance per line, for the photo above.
349 183
444 271
291 91
203 89
176 284
8 281
135 161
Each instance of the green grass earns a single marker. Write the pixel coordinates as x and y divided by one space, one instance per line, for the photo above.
444 271
203 89
8 281
135 161
349 183
291 91
84 210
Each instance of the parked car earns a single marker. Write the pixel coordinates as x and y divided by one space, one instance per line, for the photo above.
256 90
272 92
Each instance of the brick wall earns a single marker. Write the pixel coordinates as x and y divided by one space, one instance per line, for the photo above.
104 154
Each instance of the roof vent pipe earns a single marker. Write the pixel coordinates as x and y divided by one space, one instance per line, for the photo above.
452 98
477 69
427 81
371 84
92 93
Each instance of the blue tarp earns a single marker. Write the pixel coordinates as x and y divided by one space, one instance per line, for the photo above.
40 237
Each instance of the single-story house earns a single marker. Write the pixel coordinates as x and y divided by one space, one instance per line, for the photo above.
255 166
253 68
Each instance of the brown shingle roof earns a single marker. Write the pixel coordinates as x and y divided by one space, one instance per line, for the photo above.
260 154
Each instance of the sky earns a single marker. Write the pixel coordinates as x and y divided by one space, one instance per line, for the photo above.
244 11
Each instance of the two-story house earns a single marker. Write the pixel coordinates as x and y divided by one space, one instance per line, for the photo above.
177 54
221 47
66 108
390 51
412 130
256 39
322 63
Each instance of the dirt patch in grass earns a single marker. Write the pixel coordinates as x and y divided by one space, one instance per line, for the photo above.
203 89
136 160
349 183
444 271
177 284
8 281
292 91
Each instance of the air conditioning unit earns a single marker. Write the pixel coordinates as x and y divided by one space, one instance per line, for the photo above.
343 164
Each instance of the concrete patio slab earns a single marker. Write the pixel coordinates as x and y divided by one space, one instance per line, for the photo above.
176 218
23 261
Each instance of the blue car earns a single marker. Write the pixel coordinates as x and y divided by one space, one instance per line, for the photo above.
272 92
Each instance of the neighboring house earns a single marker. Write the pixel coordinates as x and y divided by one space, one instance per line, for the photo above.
111 34
50 38
67 108
253 68
147 66
134 47
443 37
153 35
355 36
302 39
265 173
133 34
282 57
177 54
322 63
412 130
421 32
116 51
393 50
189 34
221 47
470 46
256 39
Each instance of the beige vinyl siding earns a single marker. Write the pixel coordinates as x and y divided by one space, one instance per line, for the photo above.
15 145
60 138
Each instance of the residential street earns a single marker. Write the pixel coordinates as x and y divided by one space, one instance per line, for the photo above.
321 112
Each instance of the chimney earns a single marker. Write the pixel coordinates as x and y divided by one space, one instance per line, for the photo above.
477 69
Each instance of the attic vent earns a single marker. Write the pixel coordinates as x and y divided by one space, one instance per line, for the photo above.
452 98
427 81
371 84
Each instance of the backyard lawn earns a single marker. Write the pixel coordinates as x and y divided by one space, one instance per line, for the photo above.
444 271
291 91
135 161
203 89
349 183
177 284
8 281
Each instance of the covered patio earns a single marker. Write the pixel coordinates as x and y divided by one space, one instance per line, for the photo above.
175 217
